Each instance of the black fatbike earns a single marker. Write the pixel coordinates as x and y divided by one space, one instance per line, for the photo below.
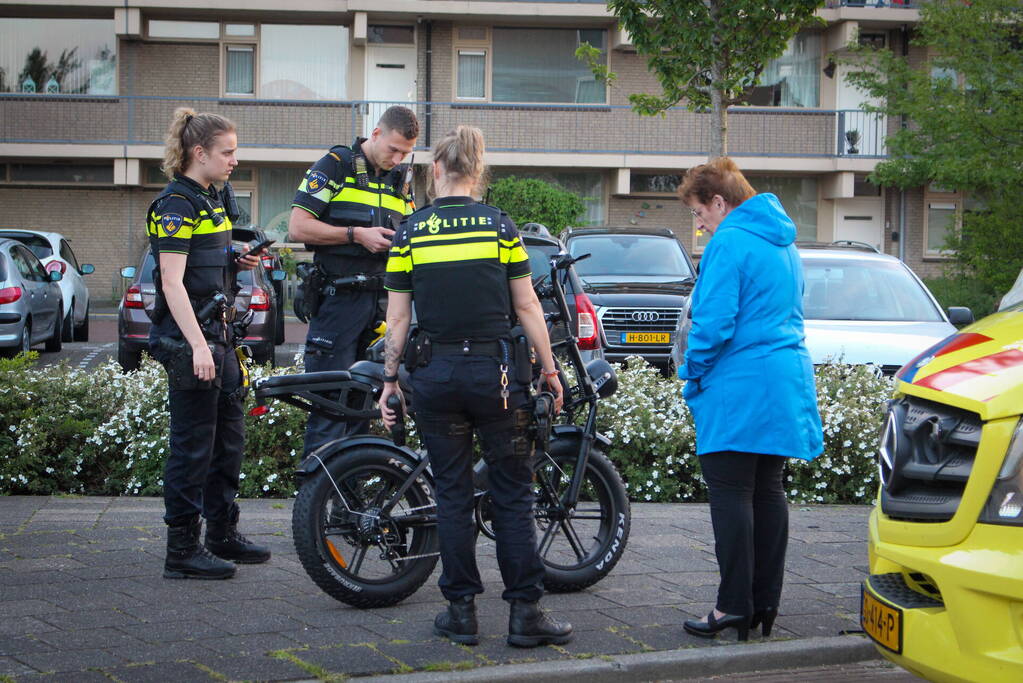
364 521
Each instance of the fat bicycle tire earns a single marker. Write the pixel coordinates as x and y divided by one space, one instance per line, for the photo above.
328 537
602 518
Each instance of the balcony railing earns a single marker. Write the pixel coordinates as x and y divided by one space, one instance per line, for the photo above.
887 4
583 129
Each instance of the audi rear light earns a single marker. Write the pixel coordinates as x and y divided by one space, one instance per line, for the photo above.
56 265
8 295
133 297
259 301
586 317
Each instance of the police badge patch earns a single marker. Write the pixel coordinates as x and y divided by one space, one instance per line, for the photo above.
170 223
317 181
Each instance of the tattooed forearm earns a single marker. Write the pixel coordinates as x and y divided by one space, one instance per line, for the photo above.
393 349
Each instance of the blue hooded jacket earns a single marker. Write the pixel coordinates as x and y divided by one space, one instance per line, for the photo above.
750 381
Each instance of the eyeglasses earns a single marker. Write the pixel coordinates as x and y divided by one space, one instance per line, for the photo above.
696 214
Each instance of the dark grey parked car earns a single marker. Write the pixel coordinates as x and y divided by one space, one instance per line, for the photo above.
256 294
639 280
31 306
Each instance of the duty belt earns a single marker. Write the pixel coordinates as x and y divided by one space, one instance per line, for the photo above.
467 347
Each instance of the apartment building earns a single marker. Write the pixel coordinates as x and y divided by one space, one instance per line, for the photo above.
87 88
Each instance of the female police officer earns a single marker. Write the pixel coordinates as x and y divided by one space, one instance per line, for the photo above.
190 238
465 266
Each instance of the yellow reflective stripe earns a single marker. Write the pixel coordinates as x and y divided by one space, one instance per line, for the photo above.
510 244
491 234
207 227
367 198
323 194
514 255
184 219
456 252
400 250
399 264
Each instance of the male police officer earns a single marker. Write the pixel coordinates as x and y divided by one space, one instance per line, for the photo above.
345 211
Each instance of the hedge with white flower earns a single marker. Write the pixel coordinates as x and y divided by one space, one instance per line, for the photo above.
101 432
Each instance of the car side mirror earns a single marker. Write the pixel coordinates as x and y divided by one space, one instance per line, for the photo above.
128 272
87 269
960 315
278 275
56 276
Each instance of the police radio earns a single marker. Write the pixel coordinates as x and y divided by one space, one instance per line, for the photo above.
230 202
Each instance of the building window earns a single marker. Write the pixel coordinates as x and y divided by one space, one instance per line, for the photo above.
62 174
58 56
798 196
527 65
239 69
392 35
654 183
940 223
275 190
303 62
187 30
472 74
792 80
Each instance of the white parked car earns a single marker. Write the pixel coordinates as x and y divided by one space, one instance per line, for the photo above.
863 307
53 250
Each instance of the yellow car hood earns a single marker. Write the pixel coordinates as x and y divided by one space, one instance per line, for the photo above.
979 369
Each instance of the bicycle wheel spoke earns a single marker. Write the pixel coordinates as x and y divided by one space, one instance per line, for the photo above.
357 558
548 538
573 539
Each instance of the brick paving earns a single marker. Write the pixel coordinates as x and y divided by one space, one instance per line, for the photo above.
82 597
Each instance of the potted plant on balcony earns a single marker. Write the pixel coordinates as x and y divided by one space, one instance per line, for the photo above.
853 138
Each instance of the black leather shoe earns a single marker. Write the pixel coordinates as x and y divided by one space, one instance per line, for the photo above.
765 619
530 626
458 622
188 559
224 541
711 626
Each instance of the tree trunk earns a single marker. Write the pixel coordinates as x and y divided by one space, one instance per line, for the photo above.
718 126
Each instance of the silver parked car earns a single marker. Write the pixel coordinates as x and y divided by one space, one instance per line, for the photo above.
31 306
862 307
55 253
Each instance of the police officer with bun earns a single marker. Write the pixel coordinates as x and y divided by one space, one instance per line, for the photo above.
345 211
464 265
189 227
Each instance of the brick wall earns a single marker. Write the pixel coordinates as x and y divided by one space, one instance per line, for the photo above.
105 226
660 212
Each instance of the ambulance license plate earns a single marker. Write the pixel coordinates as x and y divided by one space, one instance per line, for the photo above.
881 621
646 338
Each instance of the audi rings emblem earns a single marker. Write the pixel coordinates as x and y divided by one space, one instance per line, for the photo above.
645 316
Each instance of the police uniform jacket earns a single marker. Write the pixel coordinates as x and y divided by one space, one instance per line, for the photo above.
456 258
187 218
343 189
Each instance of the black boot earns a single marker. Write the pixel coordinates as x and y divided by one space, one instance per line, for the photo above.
529 626
224 541
458 621
187 559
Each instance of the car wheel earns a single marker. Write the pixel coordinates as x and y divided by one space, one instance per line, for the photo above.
128 359
55 343
24 342
67 327
82 330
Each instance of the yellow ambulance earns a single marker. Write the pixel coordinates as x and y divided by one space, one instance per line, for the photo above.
944 598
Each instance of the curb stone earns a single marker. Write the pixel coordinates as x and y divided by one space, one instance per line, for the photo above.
668 664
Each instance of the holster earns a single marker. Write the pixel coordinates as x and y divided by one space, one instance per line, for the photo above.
176 356
310 292
160 307
418 351
523 355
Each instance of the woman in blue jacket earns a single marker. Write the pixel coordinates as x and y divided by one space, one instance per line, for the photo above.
750 387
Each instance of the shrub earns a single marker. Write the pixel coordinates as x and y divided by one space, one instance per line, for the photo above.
64 430
960 290
533 200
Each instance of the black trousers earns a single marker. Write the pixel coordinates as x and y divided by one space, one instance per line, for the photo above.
334 342
207 442
750 516
453 396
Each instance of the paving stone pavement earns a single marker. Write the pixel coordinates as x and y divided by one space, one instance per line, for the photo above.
82 598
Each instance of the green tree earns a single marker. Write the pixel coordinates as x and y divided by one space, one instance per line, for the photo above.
964 125
529 200
705 53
